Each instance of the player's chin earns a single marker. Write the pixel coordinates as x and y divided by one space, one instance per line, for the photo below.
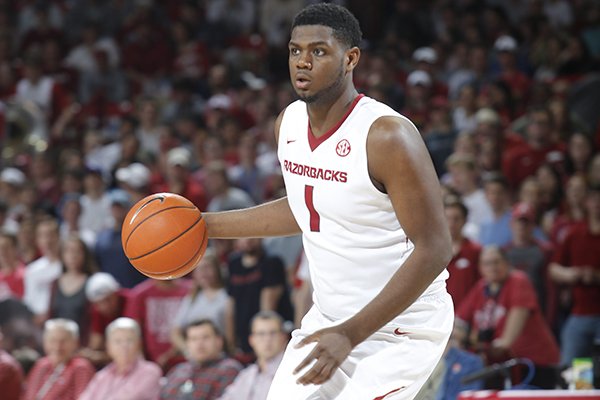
306 97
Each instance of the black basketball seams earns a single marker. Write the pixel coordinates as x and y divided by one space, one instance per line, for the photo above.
139 210
166 275
166 243
151 215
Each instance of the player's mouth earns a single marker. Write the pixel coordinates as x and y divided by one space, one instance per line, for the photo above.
302 82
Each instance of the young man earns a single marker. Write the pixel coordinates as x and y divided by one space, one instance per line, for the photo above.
362 190
208 370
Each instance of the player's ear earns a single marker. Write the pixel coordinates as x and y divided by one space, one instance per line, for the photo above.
352 57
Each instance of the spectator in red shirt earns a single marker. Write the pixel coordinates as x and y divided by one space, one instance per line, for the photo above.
12 269
523 160
108 301
208 371
418 96
11 376
179 179
463 267
60 375
519 83
577 263
505 320
153 304
573 209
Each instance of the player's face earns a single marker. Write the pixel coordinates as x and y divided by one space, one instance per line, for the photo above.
316 63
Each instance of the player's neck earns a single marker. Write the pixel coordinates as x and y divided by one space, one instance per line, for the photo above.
323 116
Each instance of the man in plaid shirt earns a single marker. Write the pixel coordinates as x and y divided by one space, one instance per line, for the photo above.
208 371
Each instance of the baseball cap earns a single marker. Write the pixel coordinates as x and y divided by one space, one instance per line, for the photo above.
505 43
425 54
100 285
220 101
136 175
487 116
12 176
179 156
120 197
523 211
419 77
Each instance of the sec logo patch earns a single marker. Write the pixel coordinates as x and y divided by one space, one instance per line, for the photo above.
343 148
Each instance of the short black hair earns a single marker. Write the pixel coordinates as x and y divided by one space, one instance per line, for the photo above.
202 322
495 177
342 22
453 202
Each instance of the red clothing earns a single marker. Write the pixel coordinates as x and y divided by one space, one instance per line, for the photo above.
154 307
464 271
11 377
99 322
67 385
193 191
522 161
11 284
561 226
580 248
484 312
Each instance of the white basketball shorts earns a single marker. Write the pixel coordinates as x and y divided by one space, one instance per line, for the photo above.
392 364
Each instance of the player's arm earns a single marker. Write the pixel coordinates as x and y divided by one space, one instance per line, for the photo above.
400 164
273 218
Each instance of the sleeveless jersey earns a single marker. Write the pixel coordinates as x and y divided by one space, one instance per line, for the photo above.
352 238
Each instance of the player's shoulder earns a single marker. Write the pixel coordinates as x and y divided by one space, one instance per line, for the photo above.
385 120
294 108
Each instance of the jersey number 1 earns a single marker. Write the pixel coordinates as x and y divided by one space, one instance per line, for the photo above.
315 218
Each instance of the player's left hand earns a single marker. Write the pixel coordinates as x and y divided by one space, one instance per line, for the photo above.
333 346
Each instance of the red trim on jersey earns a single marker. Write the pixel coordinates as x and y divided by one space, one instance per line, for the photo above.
315 218
388 393
314 141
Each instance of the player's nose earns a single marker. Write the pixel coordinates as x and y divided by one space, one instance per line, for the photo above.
304 62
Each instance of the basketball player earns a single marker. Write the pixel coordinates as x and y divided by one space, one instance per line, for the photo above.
362 190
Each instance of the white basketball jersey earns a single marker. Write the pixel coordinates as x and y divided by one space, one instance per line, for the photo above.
352 238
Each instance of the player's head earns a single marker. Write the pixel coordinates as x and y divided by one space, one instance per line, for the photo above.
344 26
323 51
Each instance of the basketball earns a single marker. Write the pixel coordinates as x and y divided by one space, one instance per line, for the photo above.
164 236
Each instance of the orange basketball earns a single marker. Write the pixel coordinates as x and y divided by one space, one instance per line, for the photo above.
164 236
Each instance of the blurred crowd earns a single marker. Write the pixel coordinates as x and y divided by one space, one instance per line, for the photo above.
105 102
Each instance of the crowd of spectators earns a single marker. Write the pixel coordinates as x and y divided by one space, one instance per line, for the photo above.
105 102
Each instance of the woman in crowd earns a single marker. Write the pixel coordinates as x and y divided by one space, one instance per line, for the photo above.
68 291
207 299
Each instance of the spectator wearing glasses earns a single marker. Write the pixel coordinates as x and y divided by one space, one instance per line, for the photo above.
268 340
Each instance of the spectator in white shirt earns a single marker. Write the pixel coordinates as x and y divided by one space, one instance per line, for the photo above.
40 274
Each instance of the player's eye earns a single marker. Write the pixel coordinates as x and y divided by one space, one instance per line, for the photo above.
318 52
294 51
